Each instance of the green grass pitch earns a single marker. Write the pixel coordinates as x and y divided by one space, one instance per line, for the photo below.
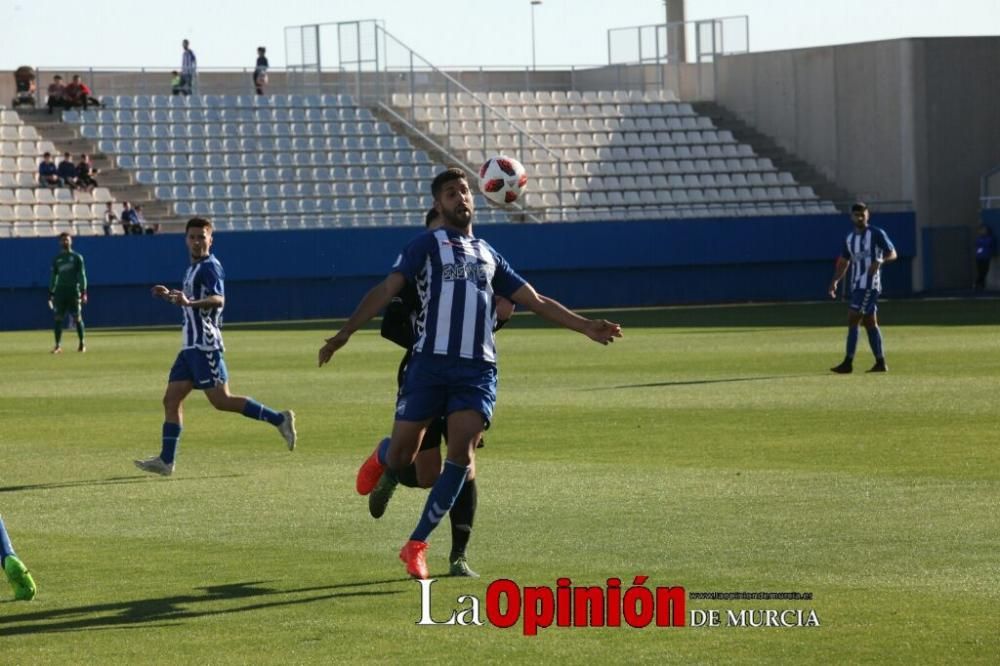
710 448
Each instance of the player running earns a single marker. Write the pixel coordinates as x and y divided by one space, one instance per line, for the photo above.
200 364
17 574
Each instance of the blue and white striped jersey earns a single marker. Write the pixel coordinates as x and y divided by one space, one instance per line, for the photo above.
203 326
456 277
188 62
861 249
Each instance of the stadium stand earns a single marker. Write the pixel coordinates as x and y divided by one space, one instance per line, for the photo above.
305 161
624 154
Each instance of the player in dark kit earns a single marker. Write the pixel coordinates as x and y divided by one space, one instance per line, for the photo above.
865 250
453 369
398 325
68 291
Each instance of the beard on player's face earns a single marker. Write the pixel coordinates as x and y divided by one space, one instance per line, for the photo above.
459 215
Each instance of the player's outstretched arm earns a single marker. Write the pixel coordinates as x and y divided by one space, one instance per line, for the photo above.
374 301
598 330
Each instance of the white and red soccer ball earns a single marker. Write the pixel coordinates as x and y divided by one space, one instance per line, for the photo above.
502 179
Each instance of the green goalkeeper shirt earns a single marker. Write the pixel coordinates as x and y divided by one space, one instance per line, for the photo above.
68 274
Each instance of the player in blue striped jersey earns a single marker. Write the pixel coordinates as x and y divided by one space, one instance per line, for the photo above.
866 249
200 364
453 370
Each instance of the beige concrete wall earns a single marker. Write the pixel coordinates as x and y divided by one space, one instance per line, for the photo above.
910 119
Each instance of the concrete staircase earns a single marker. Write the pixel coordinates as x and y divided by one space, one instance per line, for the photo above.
66 138
766 146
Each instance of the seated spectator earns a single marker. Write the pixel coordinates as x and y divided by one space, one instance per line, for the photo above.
153 228
57 94
48 173
78 94
109 218
140 221
67 171
175 82
85 173
128 218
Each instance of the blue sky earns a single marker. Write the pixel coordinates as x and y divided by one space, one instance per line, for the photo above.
225 33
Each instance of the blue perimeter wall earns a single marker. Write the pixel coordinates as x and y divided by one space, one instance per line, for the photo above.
324 273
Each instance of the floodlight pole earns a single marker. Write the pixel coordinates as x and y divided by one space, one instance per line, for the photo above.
534 3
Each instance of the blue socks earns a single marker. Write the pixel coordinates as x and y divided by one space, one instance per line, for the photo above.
383 451
5 548
440 499
875 340
171 435
254 410
852 341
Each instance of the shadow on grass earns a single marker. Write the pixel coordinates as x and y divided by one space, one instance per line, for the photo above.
979 311
171 609
111 481
692 382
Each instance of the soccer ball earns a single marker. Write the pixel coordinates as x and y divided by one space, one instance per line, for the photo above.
502 179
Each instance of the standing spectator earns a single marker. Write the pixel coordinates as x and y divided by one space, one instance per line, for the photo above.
109 218
986 247
57 94
260 71
175 83
189 69
79 94
85 173
48 173
67 171
128 218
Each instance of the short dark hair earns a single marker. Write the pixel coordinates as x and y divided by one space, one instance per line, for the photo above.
432 215
859 207
446 176
66 234
198 223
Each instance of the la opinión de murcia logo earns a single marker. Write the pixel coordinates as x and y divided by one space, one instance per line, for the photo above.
567 605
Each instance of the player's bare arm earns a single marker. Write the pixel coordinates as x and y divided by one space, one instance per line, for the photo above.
377 298
598 330
888 257
838 274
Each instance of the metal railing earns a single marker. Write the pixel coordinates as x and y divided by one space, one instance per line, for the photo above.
657 53
989 188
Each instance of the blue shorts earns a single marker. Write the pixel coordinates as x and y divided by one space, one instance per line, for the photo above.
204 368
858 301
440 385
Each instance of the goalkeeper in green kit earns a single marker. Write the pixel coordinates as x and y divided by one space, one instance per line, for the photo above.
68 291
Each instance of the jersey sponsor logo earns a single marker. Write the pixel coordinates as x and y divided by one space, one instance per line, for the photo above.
471 272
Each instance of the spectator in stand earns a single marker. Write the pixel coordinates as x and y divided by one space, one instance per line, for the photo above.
175 83
85 173
48 173
67 172
57 94
260 71
109 218
79 94
128 218
189 69
140 221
